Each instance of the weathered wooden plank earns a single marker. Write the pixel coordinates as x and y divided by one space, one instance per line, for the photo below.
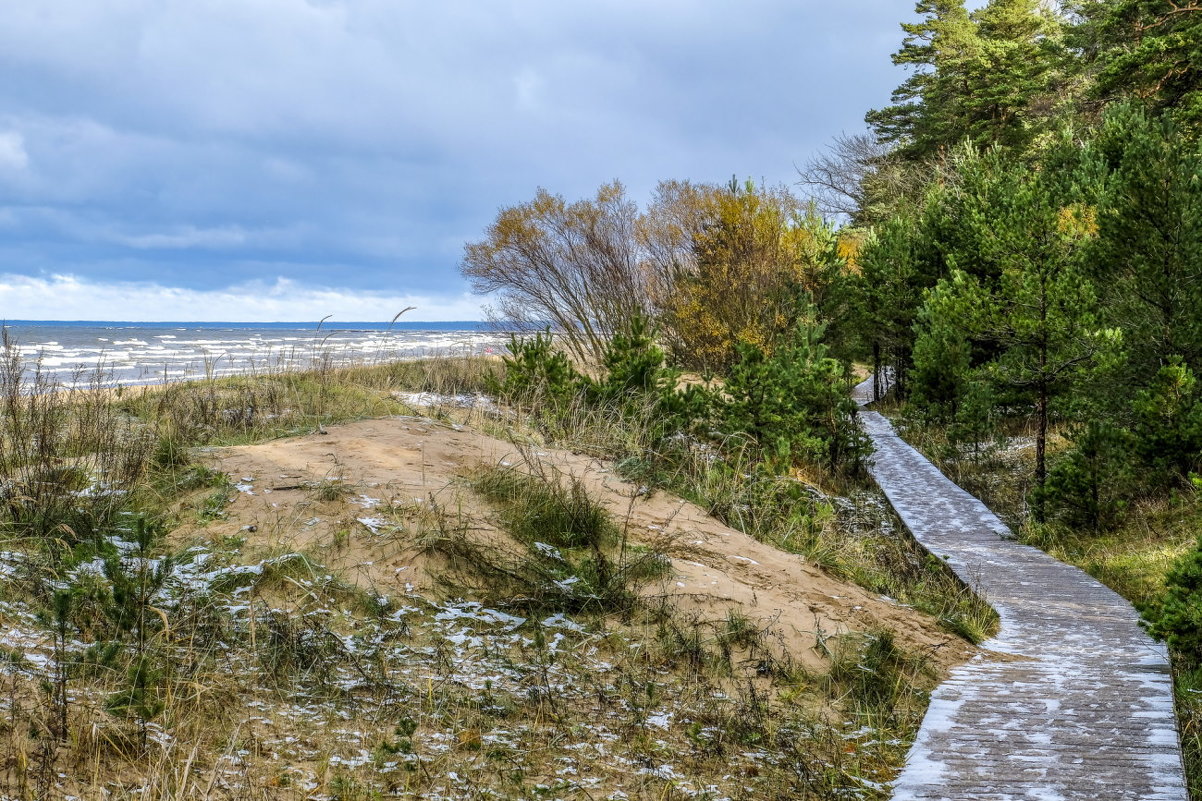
1081 704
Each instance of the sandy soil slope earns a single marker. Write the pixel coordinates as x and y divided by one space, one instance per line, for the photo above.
376 470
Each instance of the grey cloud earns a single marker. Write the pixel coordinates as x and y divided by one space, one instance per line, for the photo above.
358 143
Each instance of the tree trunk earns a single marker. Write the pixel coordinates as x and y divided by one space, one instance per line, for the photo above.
877 390
1041 404
1041 444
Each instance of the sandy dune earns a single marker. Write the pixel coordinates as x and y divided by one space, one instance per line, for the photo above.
406 462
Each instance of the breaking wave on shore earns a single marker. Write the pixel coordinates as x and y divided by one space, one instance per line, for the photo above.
125 354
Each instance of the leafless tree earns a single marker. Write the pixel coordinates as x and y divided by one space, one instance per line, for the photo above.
573 266
840 180
677 215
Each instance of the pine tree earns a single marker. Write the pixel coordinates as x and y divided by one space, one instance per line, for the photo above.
988 77
943 363
794 402
136 579
1149 246
897 265
1030 310
925 114
1146 49
1014 74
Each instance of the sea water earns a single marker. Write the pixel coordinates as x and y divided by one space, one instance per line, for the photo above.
119 353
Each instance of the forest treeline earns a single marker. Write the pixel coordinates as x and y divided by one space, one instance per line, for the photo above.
1014 238
1042 259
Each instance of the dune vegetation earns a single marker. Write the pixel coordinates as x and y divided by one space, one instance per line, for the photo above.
450 578
639 556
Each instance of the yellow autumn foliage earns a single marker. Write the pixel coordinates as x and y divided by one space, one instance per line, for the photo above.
1078 221
850 242
758 251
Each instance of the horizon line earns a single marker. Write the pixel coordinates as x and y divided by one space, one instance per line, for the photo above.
249 322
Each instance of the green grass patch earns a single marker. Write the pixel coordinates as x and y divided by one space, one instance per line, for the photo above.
541 508
566 553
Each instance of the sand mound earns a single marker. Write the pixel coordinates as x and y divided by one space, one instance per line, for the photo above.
340 493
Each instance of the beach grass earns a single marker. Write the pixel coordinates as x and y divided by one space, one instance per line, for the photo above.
140 664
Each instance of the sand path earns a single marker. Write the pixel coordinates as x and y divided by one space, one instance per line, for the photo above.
1072 699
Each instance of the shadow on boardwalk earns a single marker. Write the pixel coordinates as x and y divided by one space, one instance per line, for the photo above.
1072 699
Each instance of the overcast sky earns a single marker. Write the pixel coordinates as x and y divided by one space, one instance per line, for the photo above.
289 159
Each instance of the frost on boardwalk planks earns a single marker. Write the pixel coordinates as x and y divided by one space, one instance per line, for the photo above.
1071 701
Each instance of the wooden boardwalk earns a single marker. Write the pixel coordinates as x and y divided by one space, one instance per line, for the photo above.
1072 700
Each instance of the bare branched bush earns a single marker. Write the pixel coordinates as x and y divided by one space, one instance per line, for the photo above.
836 178
856 173
573 266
